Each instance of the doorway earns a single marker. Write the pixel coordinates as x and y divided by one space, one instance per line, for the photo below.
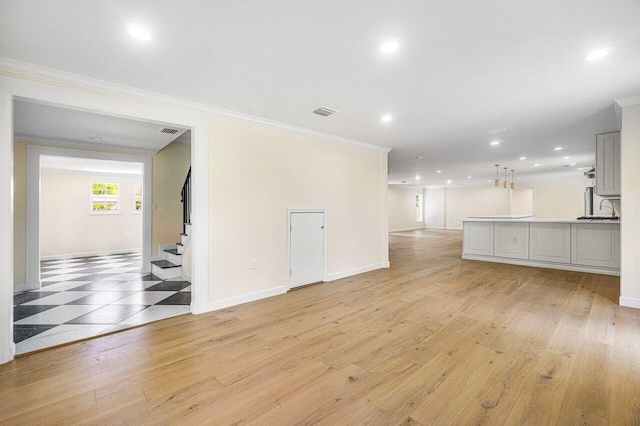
307 247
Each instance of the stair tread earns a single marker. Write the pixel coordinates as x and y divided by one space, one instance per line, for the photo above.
178 244
172 251
184 235
164 264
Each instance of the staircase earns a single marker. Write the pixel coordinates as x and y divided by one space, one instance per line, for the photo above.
170 266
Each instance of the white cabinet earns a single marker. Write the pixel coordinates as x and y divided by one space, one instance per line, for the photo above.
550 242
511 240
478 238
608 164
595 245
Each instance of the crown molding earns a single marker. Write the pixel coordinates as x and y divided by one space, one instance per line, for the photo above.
21 69
83 145
628 101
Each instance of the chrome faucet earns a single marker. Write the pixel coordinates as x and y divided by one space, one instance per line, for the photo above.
613 206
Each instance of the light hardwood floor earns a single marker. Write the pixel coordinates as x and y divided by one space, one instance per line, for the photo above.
433 340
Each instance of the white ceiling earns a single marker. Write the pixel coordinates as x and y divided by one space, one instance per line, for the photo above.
463 68
63 126
89 165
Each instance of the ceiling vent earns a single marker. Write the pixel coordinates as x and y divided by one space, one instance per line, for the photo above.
168 131
324 111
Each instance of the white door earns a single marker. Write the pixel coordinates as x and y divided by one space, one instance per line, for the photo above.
306 235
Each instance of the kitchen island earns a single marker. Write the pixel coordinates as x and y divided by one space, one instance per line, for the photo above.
574 245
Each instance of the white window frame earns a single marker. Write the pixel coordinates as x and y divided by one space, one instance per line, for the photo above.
92 200
134 197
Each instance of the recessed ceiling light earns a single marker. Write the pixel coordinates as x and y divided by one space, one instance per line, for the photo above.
522 158
417 177
596 54
572 164
95 138
581 168
566 157
389 47
494 143
468 177
386 118
536 165
557 148
138 32
449 181
438 171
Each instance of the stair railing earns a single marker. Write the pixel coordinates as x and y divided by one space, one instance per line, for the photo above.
186 202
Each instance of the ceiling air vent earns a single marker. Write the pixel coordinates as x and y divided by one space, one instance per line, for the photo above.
503 130
168 131
325 112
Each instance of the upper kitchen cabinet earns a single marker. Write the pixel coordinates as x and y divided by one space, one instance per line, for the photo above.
608 164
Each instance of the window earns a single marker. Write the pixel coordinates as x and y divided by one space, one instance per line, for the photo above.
137 199
418 207
105 198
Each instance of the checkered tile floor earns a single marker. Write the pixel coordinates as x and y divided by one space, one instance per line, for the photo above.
84 297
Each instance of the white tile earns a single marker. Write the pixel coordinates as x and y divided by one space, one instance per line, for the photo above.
60 298
134 285
145 298
64 277
65 285
155 313
186 289
59 335
121 270
106 297
109 265
62 271
59 314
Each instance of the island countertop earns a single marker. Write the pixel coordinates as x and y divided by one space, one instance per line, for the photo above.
534 220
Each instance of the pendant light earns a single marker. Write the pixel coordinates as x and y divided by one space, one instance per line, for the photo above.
506 182
513 179
497 181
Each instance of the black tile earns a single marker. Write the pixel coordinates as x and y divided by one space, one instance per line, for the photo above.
149 277
23 332
181 298
24 311
169 286
21 298
98 286
109 314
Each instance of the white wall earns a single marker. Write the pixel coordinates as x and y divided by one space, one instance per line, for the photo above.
67 226
552 199
630 225
402 208
256 174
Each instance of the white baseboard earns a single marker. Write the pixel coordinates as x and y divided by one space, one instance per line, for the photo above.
20 288
536 264
238 300
185 276
406 229
91 253
454 228
436 227
630 302
356 271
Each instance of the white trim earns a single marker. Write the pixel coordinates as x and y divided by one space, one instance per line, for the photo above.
91 253
325 242
406 229
34 152
628 101
7 347
547 265
74 144
245 298
454 228
19 68
356 271
442 228
629 302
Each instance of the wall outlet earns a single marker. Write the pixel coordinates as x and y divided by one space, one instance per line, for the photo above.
252 264
355 246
